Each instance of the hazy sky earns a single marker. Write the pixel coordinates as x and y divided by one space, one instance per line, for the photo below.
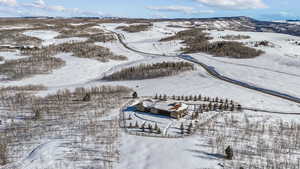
260 9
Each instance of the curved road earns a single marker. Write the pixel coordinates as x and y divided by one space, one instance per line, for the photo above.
211 70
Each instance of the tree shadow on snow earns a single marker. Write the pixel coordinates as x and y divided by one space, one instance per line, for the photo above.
130 108
206 155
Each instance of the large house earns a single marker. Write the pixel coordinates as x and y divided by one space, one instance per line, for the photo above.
171 109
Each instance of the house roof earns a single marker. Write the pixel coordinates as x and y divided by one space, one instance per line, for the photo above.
165 105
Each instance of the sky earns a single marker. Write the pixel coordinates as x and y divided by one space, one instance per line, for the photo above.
259 9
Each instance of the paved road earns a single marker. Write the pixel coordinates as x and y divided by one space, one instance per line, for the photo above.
212 71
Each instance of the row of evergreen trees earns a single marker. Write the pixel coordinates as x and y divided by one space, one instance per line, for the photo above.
146 127
187 130
194 98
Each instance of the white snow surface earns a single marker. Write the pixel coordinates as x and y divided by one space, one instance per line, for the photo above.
11 55
155 153
48 37
43 156
42 34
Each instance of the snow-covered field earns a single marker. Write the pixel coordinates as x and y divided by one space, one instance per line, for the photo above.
48 37
11 55
278 69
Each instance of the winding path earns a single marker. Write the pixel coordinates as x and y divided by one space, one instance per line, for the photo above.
212 71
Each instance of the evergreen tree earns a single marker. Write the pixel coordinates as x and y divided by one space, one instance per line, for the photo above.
143 127
134 95
87 97
182 97
182 128
150 128
136 125
158 131
186 98
217 99
165 97
229 153
195 98
239 107
199 97
155 127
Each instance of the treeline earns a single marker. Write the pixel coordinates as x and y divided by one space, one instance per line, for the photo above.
235 37
20 68
150 71
196 40
135 28
42 60
17 38
190 35
27 88
230 49
85 30
79 49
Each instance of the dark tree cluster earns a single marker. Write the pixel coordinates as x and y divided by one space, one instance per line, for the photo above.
17 38
149 71
136 28
194 35
214 104
186 130
197 41
235 37
79 49
232 49
84 30
20 68
147 127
